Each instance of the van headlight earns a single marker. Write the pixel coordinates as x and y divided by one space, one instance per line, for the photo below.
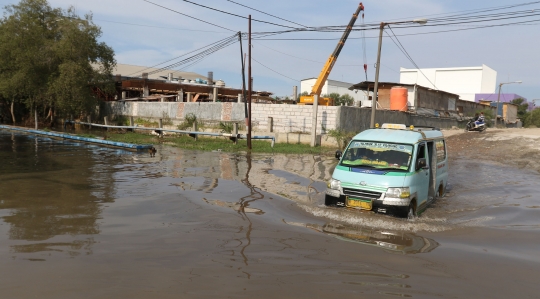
334 184
398 192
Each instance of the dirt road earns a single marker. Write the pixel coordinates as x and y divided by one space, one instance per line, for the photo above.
513 147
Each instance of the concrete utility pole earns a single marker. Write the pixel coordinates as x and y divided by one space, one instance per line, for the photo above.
314 120
499 97
250 83
376 87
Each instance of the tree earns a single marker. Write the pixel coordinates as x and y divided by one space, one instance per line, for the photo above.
532 119
522 107
346 99
50 59
334 96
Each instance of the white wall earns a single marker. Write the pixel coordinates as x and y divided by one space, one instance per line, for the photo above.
464 81
489 80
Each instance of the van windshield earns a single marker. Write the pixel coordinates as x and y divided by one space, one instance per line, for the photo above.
378 155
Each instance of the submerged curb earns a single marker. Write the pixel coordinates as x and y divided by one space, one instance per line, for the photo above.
84 139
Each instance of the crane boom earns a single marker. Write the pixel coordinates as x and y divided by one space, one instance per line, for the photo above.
327 68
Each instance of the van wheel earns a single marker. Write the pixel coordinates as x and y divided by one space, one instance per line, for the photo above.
411 212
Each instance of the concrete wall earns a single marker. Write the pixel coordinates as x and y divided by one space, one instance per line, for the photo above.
352 119
291 123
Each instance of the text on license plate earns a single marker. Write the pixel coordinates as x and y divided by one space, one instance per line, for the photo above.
356 203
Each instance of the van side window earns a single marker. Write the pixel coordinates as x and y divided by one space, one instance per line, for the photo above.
441 150
421 153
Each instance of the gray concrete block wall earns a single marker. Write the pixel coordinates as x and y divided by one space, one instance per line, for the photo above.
286 118
353 119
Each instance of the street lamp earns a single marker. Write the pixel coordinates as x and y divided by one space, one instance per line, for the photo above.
499 97
376 87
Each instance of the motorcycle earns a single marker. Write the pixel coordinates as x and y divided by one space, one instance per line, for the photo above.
471 127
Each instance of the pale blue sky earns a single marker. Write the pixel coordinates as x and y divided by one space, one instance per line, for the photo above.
156 35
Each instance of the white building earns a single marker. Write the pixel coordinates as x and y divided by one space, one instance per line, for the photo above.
463 81
333 86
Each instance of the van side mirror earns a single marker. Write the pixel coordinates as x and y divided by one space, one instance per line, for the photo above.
421 163
338 154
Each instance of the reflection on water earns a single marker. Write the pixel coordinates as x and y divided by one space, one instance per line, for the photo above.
52 192
391 241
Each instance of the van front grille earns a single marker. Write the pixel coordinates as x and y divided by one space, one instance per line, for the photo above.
362 194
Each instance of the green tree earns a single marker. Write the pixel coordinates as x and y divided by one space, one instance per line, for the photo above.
522 107
51 58
346 99
334 96
532 119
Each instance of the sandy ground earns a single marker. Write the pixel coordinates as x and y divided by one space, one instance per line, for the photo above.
513 147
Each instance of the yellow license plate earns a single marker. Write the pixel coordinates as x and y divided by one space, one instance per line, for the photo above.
356 203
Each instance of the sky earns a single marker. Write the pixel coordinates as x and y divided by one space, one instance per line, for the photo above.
145 34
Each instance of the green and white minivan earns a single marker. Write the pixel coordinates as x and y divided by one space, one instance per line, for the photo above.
394 170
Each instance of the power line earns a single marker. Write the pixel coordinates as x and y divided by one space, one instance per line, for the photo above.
188 16
274 70
266 13
169 60
400 46
161 27
412 34
232 14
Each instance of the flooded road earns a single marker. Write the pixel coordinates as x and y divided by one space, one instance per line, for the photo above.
82 221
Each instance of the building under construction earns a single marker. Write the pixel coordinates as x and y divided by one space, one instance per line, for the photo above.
137 83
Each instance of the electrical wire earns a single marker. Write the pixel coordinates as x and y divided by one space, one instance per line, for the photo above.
188 15
160 27
169 60
232 14
400 46
266 13
274 70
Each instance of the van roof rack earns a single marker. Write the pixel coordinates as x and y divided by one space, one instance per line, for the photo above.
425 128
405 127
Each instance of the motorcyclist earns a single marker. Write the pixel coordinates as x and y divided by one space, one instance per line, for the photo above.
480 120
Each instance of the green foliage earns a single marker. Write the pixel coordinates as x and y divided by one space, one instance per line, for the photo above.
220 143
344 99
522 107
146 123
342 138
50 58
188 122
226 127
489 115
532 119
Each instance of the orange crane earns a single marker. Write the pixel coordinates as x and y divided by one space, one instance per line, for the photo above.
321 80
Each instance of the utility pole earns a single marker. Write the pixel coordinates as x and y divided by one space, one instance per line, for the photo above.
249 87
243 60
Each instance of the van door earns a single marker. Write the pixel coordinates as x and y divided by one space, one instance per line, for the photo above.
432 162
422 175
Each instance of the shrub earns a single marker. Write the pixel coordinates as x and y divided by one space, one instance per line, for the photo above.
342 138
188 122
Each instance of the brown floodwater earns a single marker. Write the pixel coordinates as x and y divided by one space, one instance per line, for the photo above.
84 221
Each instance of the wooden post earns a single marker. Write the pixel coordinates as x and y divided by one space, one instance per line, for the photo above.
89 121
106 120
161 127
